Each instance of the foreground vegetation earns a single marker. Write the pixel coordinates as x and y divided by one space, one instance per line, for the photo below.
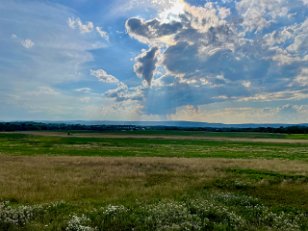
221 212
63 182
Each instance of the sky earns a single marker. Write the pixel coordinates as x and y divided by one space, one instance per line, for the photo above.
227 61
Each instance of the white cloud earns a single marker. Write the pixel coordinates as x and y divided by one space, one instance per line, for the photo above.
85 90
145 64
204 55
233 115
76 23
123 94
246 84
288 43
27 43
260 14
300 38
88 27
60 54
302 78
224 12
137 7
204 18
103 76
27 83
211 53
103 34
280 95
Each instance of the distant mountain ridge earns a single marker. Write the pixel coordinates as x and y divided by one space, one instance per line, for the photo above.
173 123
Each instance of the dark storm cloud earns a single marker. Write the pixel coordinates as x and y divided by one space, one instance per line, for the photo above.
146 31
145 64
211 53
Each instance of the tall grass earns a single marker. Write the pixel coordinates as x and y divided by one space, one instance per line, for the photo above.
247 186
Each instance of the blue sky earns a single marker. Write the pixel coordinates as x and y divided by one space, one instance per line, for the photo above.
231 61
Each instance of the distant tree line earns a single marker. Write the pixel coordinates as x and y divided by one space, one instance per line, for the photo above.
38 126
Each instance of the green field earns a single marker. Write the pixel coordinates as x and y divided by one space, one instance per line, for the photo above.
156 180
147 146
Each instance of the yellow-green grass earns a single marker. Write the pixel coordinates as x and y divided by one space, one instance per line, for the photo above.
88 173
101 180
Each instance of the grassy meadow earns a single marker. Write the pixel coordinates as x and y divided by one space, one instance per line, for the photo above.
153 181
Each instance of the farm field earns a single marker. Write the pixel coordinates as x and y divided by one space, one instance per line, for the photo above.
153 181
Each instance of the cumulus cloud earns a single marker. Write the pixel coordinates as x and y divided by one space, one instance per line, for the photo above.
302 78
165 99
27 43
152 32
299 38
88 27
76 23
103 76
145 64
213 53
260 14
196 54
121 93
124 94
103 34
288 44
